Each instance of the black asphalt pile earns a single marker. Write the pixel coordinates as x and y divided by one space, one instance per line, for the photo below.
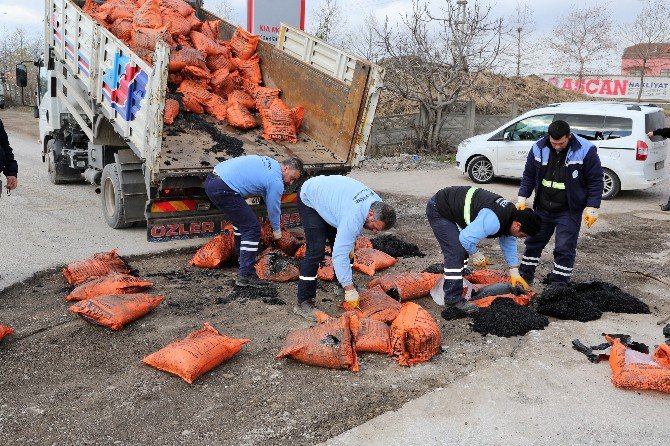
269 295
505 318
563 302
395 247
452 313
278 262
435 268
610 298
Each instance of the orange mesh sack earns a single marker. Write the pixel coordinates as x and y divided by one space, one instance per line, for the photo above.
196 89
662 355
217 251
243 43
210 28
277 267
4 331
216 62
147 37
329 344
415 336
523 299
487 277
362 242
148 16
116 310
196 354
635 370
369 260
217 107
406 286
371 335
100 265
326 270
206 44
184 56
175 23
192 104
242 97
376 304
219 77
123 29
118 9
300 253
179 6
231 83
171 111
239 116
280 123
112 284
196 72
250 69
263 96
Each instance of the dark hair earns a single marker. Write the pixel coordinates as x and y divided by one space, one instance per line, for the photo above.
295 164
530 221
559 129
383 212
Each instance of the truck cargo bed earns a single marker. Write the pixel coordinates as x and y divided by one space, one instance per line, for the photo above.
201 141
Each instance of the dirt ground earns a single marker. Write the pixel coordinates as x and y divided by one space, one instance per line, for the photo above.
64 381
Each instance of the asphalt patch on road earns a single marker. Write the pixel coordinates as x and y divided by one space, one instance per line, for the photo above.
563 302
505 318
396 247
268 295
608 297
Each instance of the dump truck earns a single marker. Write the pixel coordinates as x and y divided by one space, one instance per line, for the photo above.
101 121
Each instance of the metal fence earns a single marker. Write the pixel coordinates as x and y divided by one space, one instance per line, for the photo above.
398 133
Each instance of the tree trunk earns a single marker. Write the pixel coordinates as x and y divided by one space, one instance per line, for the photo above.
644 68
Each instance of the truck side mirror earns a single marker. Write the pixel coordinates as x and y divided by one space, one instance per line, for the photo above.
21 75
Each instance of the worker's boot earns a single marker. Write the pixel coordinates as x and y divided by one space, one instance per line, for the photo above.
665 207
306 309
252 281
465 306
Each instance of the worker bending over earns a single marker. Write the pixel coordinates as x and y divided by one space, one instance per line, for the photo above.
236 179
336 208
461 216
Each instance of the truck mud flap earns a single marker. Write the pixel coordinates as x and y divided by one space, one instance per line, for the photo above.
170 228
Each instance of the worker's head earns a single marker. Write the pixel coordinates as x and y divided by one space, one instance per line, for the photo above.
526 224
381 217
559 134
291 170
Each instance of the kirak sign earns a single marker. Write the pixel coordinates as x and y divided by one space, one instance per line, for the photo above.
264 17
614 87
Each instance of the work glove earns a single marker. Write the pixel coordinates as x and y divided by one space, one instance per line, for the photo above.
351 253
352 298
590 216
516 279
276 234
478 259
521 203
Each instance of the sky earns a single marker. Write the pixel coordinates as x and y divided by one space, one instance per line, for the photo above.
28 13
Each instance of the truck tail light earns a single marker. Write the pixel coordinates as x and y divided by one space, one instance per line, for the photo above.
641 151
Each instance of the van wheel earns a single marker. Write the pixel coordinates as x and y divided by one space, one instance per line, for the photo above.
480 170
112 202
612 184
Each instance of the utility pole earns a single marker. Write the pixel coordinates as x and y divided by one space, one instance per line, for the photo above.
460 25
518 52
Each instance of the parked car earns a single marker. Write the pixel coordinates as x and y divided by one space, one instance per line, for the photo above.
630 160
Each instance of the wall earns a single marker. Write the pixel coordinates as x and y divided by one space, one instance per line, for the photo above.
397 133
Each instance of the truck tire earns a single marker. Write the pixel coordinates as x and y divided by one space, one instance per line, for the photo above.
612 184
112 201
480 170
59 172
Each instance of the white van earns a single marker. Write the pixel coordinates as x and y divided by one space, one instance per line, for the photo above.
629 158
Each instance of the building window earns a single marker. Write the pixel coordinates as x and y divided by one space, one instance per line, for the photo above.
664 72
635 72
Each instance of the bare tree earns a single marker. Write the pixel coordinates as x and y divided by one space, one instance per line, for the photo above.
363 40
435 61
581 40
328 21
520 48
18 46
648 37
223 9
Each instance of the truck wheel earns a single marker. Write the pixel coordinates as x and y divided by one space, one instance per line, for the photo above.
58 173
480 170
112 202
612 184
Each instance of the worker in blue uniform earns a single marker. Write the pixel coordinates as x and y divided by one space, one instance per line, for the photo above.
564 171
461 216
236 179
335 208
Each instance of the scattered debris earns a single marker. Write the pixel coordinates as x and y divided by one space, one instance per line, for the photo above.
269 295
451 313
395 247
505 318
563 302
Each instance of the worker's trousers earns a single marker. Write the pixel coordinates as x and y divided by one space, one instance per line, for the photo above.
566 225
317 233
246 228
455 256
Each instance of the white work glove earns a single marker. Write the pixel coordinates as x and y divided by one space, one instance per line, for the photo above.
478 259
276 234
590 216
351 298
516 279
521 203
